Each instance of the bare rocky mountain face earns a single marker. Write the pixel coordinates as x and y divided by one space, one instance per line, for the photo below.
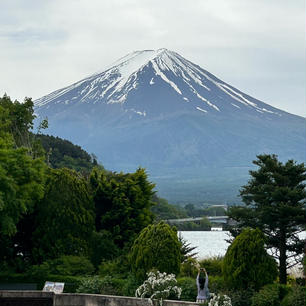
195 134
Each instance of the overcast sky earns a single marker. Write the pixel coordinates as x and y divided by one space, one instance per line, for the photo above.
256 46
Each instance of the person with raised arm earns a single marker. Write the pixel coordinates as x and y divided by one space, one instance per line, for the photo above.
202 284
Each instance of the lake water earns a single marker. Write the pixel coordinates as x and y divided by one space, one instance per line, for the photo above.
208 243
212 243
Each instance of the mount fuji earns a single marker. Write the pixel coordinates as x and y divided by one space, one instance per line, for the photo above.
195 134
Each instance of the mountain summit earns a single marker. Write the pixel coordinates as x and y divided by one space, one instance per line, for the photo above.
196 134
185 81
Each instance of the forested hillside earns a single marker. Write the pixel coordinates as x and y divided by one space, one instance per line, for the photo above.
63 153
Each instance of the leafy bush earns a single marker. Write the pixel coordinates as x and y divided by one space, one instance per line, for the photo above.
109 267
130 285
90 285
270 295
73 265
116 267
189 268
39 271
212 265
65 265
241 297
216 284
295 297
112 286
101 285
189 288
267 296
246 262
103 247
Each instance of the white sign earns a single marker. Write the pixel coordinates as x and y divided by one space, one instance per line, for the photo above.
54 287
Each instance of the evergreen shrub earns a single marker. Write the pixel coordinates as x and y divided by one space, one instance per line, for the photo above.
246 263
117 267
212 265
189 268
101 285
216 284
156 247
112 286
296 297
73 265
270 295
130 285
189 288
241 297
90 285
64 265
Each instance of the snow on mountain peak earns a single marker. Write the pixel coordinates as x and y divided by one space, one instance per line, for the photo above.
192 84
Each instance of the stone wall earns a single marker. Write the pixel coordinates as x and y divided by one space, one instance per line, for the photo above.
39 298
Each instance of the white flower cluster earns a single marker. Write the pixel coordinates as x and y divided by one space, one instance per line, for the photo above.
220 300
158 286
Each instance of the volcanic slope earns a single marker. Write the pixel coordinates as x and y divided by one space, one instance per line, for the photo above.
195 134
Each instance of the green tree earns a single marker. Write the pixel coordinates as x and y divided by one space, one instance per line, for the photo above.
21 177
21 184
21 117
156 247
65 217
122 202
275 203
102 247
246 263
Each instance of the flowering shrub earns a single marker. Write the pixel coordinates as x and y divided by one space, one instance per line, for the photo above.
158 286
220 300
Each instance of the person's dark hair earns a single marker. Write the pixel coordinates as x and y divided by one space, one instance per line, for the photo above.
202 279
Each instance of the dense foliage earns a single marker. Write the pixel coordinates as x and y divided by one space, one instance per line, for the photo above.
296 297
18 118
65 217
275 203
213 265
46 213
122 203
64 265
21 176
246 263
270 295
156 247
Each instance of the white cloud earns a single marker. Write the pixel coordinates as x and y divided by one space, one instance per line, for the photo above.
46 45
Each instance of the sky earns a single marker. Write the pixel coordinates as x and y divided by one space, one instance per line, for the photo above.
256 46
